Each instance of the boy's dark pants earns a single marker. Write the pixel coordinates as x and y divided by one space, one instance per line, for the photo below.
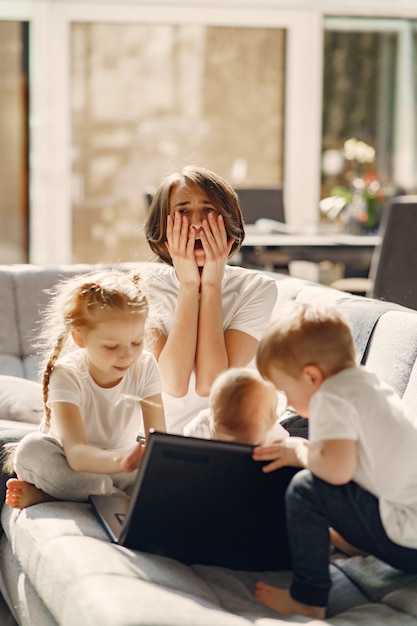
312 506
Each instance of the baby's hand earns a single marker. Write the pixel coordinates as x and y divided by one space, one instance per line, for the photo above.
132 461
282 454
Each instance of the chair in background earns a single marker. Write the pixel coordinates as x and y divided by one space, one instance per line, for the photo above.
393 270
262 202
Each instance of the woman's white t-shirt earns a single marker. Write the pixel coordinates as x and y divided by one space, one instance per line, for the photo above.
355 404
112 417
248 299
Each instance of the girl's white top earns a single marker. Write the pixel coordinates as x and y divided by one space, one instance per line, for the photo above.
112 417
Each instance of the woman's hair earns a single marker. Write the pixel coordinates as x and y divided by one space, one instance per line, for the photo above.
80 303
220 193
304 334
232 398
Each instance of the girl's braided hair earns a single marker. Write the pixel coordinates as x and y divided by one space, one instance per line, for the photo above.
80 303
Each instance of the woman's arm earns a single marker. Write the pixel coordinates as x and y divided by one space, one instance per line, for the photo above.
83 457
212 356
333 460
176 353
234 348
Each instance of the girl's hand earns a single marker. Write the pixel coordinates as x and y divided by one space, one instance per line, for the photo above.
132 461
290 451
216 248
180 245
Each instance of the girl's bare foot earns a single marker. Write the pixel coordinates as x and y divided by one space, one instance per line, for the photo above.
281 601
20 494
338 542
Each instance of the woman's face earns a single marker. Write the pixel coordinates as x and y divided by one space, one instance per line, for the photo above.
192 202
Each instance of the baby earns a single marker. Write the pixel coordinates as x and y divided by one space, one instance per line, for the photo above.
243 407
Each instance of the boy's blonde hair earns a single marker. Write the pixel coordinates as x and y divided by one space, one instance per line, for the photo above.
231 399
80 303
220 193
304 334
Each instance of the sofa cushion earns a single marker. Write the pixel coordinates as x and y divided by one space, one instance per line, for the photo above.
20 400
61 546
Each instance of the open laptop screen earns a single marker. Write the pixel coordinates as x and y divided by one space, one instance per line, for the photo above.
203 501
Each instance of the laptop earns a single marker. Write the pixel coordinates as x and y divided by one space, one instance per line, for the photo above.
202 501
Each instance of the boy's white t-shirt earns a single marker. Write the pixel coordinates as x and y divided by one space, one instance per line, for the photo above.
112 417
200 426
248 299
355 404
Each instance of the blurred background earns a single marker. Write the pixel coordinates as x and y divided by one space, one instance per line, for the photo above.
99 100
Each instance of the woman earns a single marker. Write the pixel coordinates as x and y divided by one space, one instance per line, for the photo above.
210 315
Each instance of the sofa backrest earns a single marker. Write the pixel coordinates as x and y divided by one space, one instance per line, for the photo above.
386 334
24 294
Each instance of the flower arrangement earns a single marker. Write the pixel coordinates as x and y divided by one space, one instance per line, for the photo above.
359 151
364 189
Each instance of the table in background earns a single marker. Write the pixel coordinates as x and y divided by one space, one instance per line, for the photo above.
272 251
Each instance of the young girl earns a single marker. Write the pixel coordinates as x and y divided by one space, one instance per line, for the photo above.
361 476
101 391
242 408
211 314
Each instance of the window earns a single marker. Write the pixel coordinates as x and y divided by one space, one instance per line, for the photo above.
369 94
146 99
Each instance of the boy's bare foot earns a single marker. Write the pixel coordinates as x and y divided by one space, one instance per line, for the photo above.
281 601
20 494
341 544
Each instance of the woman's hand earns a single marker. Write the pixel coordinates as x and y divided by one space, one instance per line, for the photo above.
180 244
291 451
216 248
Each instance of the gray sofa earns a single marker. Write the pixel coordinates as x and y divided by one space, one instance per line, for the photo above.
57 565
